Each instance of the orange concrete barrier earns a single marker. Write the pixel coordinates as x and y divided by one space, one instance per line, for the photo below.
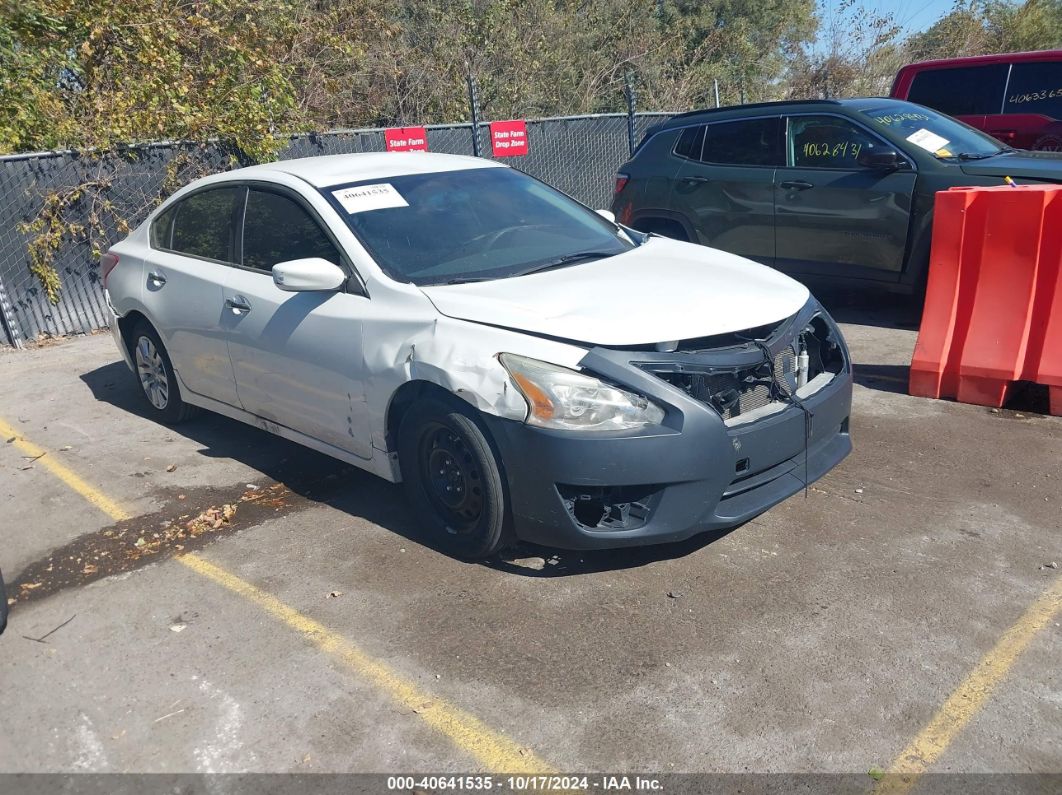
993 310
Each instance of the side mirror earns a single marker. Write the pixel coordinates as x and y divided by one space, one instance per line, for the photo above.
308 275
879 159
608 215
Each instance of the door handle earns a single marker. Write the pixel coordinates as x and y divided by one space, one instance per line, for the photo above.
695 180
238 305
157 278
796 184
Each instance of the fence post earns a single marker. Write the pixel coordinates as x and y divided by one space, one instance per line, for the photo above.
473 103
7 320
632 105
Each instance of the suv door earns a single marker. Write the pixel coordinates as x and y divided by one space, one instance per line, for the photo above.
192 248
297 356
833 215
725 185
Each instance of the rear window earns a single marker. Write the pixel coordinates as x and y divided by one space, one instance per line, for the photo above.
690 142
1035 87
205 224
963 91
749 142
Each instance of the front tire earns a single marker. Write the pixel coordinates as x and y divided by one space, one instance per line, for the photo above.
452 478
158 381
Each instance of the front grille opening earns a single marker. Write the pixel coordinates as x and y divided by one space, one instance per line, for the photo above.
609 507
738 392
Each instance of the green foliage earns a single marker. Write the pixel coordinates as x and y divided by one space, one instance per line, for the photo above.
95 75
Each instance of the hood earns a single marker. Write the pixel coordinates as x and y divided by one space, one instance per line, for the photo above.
1039 166
662 290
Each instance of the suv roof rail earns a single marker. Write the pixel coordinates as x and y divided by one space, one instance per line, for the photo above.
752 106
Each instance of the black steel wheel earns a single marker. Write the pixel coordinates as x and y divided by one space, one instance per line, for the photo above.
452 478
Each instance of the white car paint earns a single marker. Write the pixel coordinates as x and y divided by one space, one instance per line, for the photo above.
662 290
321 368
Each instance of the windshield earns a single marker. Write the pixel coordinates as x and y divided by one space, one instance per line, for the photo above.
472 225
940 135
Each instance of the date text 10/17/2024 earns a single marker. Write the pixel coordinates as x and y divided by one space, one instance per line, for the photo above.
527 783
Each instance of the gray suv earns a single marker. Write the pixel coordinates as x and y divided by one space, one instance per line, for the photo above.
835 190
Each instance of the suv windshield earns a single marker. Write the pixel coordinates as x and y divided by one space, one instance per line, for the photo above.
471 225
938 134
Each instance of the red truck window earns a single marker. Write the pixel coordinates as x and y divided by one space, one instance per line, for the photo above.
961 91
1035 87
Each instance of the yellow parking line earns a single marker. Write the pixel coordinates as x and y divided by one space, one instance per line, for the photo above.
494 751
52 464
970 696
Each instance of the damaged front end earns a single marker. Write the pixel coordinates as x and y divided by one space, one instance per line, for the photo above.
751 418
752 374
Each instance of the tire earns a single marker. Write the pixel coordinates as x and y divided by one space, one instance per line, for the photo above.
3 606
158 382
452 478
1050 142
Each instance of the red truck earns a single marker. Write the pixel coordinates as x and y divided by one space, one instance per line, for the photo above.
1015 97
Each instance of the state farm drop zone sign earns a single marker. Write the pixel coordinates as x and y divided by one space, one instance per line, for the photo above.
508 138
406 139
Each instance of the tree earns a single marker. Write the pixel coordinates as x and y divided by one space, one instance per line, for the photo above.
981 27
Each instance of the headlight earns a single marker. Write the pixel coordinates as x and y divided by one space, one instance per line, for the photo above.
564 399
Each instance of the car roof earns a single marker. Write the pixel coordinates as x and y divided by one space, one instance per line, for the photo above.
738 111
327 170
980 60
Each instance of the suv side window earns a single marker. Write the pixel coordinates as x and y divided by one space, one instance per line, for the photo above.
963 91
204 224
748 142
690 143
827 142
1035 87
277 229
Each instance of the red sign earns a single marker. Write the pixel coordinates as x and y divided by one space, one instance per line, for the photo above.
508 138
406 139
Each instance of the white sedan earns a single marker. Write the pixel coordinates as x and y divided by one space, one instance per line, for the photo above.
528 368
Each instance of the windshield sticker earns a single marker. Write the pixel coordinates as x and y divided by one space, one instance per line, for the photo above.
890 119
929 141
369 197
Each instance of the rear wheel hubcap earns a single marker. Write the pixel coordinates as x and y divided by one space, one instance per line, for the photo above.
152 372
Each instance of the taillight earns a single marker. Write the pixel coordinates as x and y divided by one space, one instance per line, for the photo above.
108 262
621 182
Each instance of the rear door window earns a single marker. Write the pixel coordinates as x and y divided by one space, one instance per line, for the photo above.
1035 87
827 142
748 142
205 224
278 229
963 91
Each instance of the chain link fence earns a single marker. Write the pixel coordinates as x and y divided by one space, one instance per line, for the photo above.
577 154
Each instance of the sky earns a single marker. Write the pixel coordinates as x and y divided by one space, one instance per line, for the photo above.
912 15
